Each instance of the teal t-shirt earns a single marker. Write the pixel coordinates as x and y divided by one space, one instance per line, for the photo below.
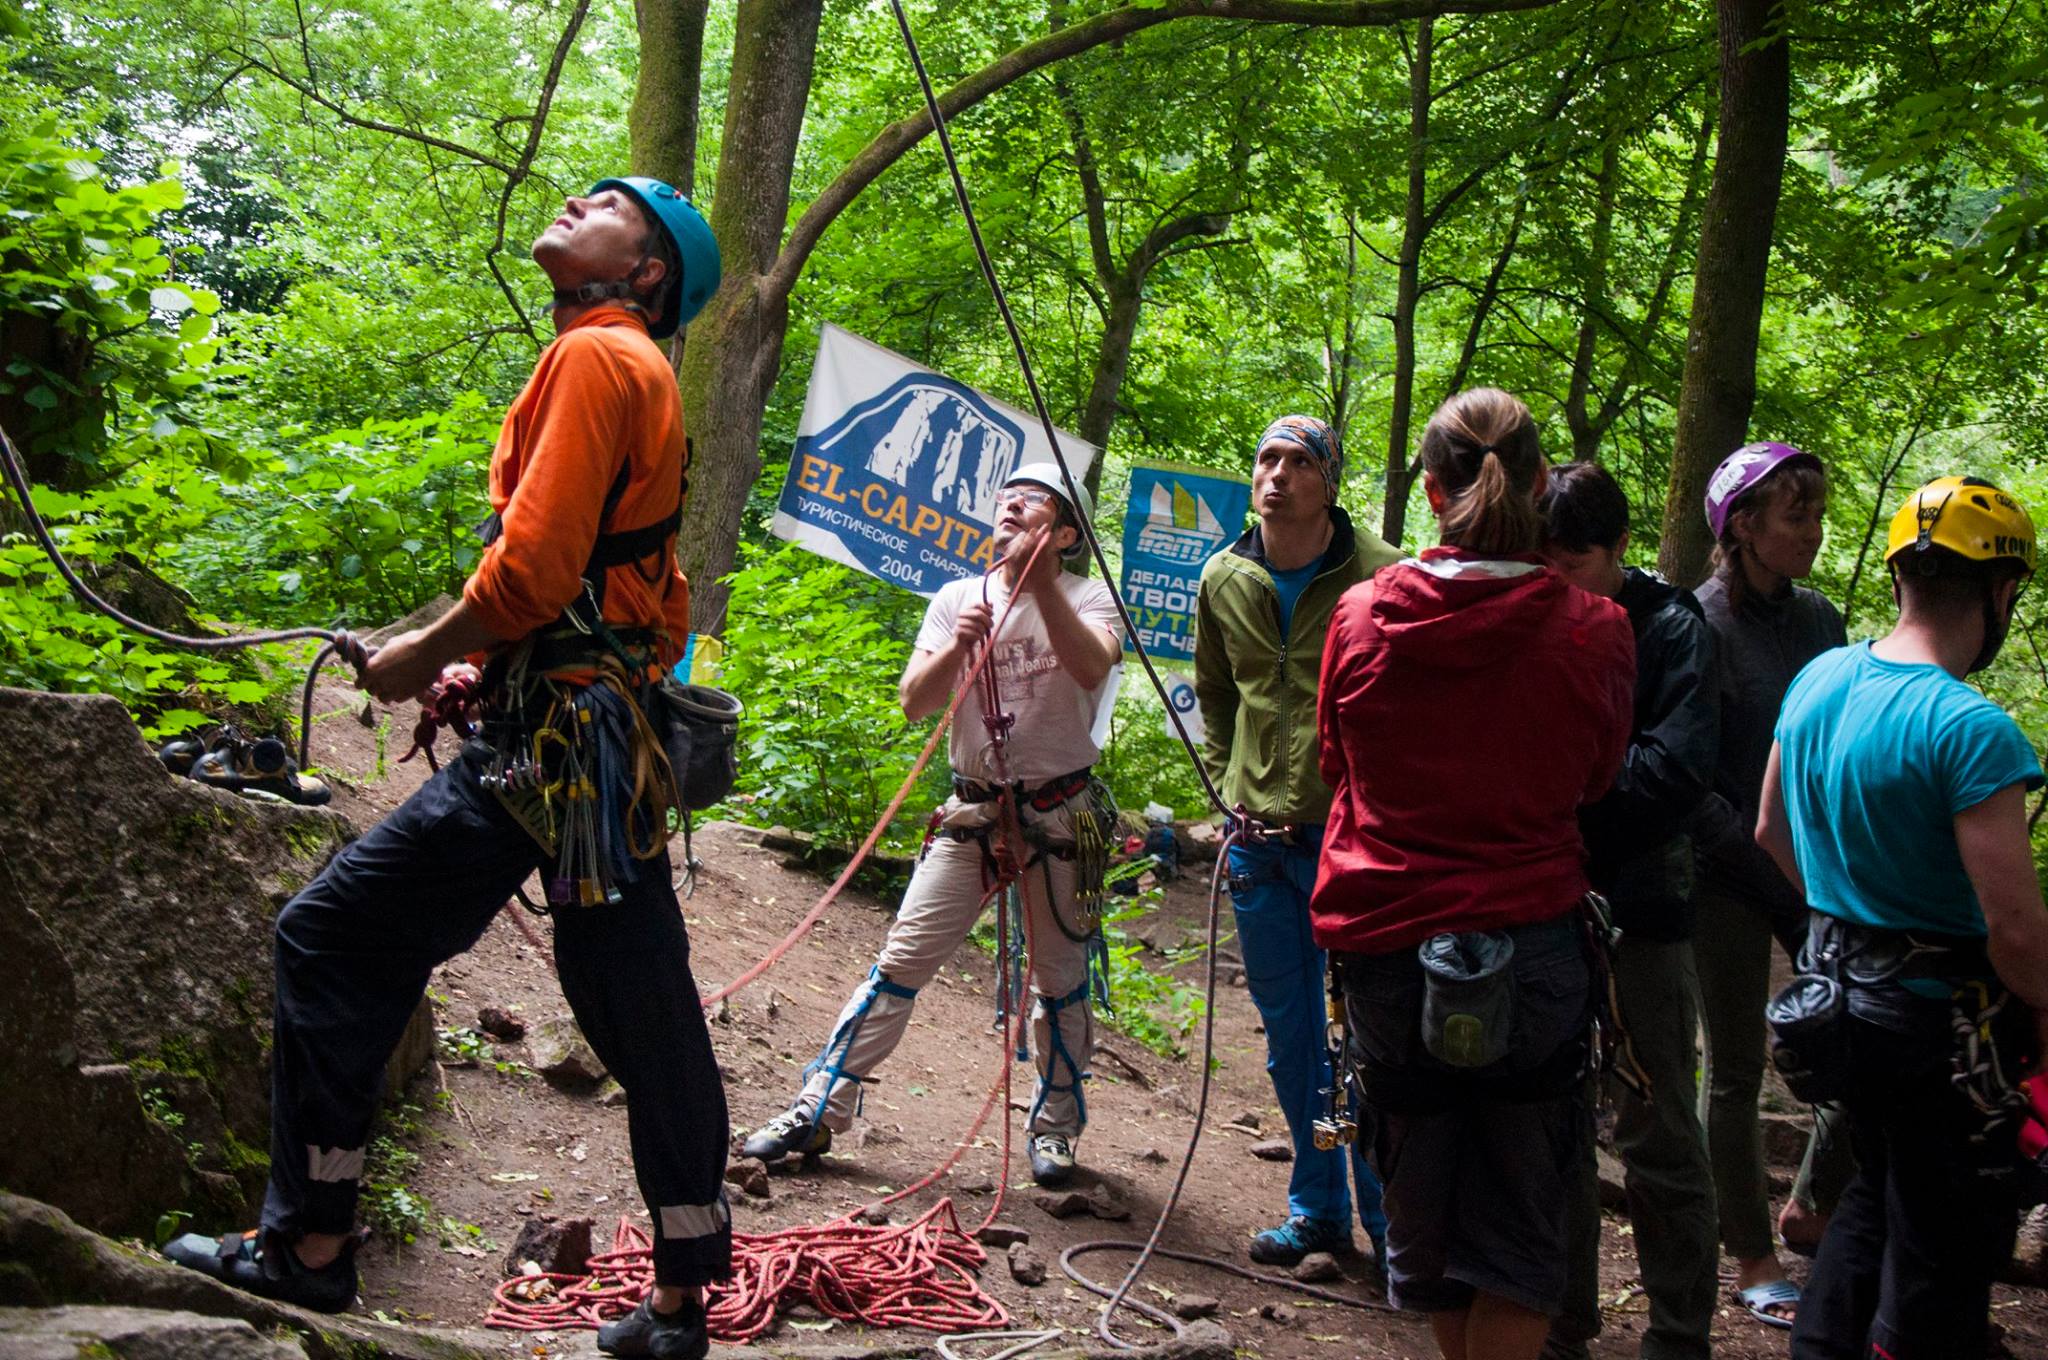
1290 584
1877 757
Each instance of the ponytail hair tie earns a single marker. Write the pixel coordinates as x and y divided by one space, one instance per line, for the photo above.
1485 449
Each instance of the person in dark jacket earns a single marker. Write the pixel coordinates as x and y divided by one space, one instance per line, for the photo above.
1765 505
1471 701
1260 615
1640 858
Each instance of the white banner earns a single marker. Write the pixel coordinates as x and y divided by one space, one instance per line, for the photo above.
1180 692
896 468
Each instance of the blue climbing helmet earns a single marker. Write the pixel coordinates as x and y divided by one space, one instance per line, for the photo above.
696 249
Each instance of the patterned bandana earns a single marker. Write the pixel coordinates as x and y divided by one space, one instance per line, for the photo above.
1316 438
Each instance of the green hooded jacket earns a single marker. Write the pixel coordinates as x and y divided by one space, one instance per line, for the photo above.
1257 689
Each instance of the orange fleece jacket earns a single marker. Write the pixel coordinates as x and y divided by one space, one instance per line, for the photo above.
601 393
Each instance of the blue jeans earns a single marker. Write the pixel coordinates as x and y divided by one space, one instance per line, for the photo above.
1286 975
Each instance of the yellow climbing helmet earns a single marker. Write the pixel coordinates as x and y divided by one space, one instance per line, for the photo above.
1966 515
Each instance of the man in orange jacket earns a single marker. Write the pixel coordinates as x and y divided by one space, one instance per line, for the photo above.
587 482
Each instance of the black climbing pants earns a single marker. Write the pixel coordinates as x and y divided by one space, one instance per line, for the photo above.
1905 1270
354 952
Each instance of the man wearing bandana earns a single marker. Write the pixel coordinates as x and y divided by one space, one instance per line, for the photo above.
1264 606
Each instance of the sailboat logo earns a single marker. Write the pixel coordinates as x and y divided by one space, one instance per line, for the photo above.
1180 526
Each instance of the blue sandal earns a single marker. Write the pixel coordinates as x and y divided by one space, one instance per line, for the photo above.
1759 1297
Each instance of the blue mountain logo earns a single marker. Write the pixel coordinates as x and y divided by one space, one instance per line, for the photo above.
931 436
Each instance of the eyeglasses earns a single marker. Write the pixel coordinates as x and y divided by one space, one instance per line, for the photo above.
1028 497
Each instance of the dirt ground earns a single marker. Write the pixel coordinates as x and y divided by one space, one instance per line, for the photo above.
505 1144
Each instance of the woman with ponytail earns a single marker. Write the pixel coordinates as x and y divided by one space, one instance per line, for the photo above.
1471 700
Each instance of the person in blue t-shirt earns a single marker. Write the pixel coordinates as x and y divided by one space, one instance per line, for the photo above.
1895 798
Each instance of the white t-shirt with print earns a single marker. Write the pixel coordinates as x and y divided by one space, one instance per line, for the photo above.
1056 720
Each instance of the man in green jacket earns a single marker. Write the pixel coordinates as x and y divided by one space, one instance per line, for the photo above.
1264 606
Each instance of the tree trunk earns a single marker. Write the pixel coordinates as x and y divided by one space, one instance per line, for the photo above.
1112 360
1408 288
736 343
662 126
1719 386
1585 433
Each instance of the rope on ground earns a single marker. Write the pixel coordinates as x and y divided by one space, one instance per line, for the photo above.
1212 1262
1121 1296
917 1274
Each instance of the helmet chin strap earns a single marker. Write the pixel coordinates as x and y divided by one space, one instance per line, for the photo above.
587 293
1996 628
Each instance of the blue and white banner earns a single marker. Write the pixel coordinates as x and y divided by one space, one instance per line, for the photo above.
1178 518
1180 692
896 468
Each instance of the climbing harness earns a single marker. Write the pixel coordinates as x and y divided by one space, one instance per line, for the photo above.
831 1059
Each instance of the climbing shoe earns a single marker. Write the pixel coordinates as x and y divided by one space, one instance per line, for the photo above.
1300 1235
1052 1159
261 1263
791 1133
680 1335
179 755
260 767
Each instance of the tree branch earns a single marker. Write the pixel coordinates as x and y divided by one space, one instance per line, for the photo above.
518 173
893 141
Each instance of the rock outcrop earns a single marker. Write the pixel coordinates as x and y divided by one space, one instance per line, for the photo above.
47 1261
135 969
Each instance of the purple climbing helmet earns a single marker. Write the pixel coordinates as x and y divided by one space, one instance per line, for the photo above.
1740 471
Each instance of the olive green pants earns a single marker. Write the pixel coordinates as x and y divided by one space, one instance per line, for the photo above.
1732 947
1669 1185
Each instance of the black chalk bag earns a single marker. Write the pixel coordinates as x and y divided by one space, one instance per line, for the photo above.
1468 997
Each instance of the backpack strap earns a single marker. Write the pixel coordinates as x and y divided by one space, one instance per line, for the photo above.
609 549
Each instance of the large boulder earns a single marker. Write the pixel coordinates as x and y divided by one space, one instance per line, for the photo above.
47 1261
134 1334
135 969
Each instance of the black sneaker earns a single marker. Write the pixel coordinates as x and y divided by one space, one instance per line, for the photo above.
262 1264
1052 1159
791 1133
680 1335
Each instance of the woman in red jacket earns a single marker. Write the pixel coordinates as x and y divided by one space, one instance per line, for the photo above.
1470 701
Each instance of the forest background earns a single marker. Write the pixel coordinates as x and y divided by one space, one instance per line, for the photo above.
265 293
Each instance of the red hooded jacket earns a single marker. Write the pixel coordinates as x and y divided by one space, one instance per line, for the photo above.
1468 706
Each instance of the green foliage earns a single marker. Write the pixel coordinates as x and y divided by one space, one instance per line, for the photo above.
467 1047
366 523
167 1225
99 325
1151 1004
50 642
815 650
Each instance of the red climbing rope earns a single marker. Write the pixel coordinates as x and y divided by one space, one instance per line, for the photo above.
922 1274
917 1274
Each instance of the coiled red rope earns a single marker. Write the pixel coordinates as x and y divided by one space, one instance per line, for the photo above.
917 1274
